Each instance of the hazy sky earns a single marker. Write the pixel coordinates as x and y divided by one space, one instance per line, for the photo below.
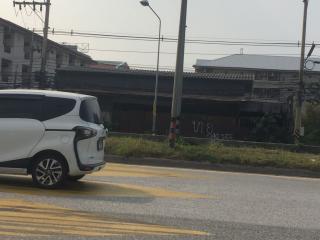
261 20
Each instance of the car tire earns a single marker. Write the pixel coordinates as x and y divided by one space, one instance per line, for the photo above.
75 178
49 171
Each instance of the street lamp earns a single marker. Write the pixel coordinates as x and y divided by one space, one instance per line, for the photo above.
145 3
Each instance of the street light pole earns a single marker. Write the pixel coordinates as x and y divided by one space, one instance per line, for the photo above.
299 97
155 101
178 78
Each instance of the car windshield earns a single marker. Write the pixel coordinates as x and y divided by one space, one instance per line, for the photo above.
90 111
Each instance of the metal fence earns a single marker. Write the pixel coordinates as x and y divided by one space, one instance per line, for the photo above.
13 81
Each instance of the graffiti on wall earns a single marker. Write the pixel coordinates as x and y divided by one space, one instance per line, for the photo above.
207 129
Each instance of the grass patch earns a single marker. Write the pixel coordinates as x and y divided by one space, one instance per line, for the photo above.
214 153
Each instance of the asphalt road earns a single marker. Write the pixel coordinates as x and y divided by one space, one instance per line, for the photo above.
135 202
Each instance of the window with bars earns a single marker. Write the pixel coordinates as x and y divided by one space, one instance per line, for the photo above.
266 93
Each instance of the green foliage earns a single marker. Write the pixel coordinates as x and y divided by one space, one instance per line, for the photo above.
272 128
311 122
214 153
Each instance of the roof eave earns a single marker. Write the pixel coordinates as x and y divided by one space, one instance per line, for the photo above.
252 69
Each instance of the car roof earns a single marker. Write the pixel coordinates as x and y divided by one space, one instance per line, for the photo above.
48 93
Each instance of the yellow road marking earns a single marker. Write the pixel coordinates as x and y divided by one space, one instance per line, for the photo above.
122 170
15 234
141 191
22 218
23 185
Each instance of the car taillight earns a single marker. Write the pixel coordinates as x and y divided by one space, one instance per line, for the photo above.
84 133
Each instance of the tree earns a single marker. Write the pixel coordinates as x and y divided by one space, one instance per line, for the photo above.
272 127
311 120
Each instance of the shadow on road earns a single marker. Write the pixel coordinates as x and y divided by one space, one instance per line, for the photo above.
82 189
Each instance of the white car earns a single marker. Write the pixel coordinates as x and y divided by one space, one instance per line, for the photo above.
50 135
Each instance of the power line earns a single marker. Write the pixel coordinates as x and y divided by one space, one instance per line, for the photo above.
28 14
170 53
174 40
40 17
187 53
174 36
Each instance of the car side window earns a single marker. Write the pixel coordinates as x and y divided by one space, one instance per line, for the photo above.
56 107
20 107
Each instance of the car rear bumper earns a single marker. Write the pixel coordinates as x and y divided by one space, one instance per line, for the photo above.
93 167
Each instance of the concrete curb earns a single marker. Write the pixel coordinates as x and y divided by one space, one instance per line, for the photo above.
214 167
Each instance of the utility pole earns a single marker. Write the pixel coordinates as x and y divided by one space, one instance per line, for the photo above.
43 79
178 78
31 59
44 55
300 93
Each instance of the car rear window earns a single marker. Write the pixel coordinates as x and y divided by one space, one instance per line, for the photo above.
90 111
56 107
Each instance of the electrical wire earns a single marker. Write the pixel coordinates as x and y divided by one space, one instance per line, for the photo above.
169 53
174 40
28 14
40 17
24 23
187 53
174 36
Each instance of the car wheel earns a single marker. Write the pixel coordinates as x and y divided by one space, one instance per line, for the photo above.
49 172
75 178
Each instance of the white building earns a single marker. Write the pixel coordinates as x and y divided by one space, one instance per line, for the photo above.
276 78
20 55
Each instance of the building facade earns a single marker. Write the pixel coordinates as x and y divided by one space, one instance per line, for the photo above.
276 78
20 56
214 105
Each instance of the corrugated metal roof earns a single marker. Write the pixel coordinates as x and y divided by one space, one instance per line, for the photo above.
247 61
116 63
217 76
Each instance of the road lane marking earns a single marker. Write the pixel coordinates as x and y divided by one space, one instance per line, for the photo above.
141 191
94 188
210 174
22 218
124 170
